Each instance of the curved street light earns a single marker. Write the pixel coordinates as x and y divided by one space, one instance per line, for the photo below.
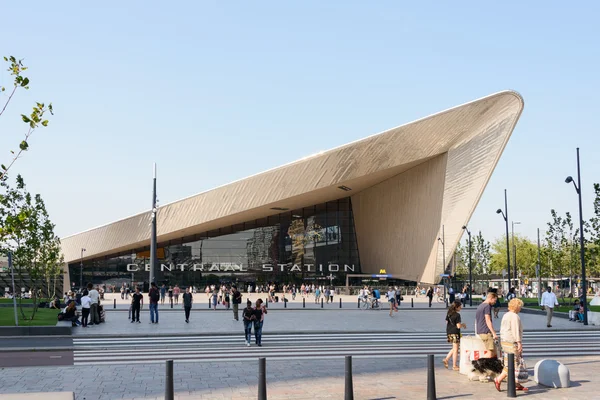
581 239
470 268
505 216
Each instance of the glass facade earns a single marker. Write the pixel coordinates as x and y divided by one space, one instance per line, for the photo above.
309 244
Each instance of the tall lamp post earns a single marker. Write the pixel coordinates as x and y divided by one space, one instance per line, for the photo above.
81 271
517 281
505 216
153 230
581 240
442 240
470 269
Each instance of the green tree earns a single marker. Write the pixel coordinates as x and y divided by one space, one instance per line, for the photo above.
28 233
461 259
556 243
33 120
592 230
481 256
526 258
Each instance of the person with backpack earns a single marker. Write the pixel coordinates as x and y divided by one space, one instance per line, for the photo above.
154 295
237 300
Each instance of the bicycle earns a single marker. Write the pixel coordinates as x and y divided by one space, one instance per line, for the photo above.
369 303
441 299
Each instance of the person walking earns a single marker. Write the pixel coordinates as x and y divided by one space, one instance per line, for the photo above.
170 292
453 325
86 303
187 304
391 295
237 300
430 295
137 300
95 296
248 317
176 293
483 322
548 302
511 334
154 297
215 295
259 312
163 293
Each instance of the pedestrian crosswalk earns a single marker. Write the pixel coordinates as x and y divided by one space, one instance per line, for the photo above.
223 348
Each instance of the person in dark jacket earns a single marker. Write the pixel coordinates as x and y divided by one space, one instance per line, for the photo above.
187 304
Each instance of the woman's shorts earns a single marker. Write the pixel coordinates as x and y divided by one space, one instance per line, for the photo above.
453 338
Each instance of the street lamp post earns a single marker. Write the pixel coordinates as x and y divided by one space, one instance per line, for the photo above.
470 269
505 216
581 240
442 240
517 281
81 271
153 229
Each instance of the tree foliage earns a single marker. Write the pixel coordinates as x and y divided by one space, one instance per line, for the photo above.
34 120
28 233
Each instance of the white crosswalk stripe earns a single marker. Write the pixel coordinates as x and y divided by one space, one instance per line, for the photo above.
223 348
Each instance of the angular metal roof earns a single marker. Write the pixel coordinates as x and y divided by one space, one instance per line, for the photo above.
462 132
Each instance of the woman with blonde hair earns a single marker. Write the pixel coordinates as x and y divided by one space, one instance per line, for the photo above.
511 337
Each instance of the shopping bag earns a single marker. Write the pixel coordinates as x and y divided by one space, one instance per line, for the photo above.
521 373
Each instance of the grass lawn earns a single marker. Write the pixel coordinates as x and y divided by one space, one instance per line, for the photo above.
43 316
567 309
25 301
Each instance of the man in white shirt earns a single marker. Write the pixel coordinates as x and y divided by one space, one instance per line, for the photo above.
548 302
95 297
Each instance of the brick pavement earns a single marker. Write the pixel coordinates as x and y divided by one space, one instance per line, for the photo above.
286 379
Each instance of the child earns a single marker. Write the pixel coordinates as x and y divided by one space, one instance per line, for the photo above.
574 311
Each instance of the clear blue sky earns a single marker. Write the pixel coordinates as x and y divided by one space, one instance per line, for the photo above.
216 91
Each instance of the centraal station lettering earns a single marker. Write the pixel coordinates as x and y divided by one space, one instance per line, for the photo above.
232 267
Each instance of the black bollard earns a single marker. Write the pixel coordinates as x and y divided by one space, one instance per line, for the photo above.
303 302
412 303
284 303
430 378
169 395
171 303
209 303
340 302
512 388
321 302
359 303
115 303
348 389
267 303
262 379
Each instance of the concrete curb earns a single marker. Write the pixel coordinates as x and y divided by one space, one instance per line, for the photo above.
6 331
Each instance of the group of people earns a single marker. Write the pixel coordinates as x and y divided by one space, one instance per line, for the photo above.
91 310
511 333
254 317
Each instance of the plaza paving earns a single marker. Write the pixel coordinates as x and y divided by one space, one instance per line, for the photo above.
332 319
288 379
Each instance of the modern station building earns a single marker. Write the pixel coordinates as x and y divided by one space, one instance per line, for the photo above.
382 205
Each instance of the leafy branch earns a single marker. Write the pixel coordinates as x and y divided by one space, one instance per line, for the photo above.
33 120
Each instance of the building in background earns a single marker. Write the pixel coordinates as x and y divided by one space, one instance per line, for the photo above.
375 204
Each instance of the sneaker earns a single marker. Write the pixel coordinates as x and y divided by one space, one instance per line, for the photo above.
247 344
187 321
132 321
260 345
138 322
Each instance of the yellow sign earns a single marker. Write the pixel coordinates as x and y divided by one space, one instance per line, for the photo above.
382 271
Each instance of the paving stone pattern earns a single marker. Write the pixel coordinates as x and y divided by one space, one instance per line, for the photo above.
289 379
